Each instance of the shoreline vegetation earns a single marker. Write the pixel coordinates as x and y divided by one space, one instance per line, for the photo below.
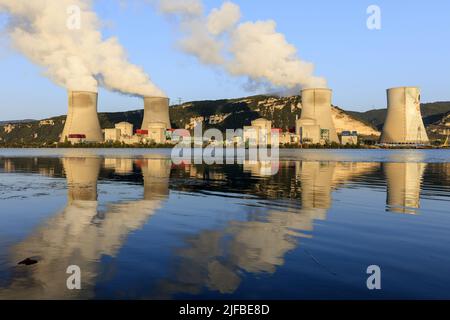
118 145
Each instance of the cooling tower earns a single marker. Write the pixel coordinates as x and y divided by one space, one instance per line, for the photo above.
82 118
404 124
316 109
156 109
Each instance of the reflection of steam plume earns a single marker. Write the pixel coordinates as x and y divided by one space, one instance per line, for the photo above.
213 258
260 246
251 49
79 235
403 186
63 37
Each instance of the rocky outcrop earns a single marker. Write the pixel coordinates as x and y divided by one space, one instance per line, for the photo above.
345 122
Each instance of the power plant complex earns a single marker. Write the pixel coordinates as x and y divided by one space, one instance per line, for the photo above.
403 125
82 123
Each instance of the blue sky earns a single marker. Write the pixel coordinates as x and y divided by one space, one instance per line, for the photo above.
412 48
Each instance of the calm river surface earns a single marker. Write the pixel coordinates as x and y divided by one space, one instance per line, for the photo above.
305 227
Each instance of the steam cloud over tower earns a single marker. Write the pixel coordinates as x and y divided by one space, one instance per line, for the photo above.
82 118
316 124
404 124
156 109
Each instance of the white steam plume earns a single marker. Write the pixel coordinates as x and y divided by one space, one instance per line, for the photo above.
75 58
252 49
223 19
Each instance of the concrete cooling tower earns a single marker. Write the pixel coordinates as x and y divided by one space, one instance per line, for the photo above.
404 124
156 109
82 118
316 124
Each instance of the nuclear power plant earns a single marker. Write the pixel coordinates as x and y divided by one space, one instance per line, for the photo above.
82 123
404 124
316 124
82 120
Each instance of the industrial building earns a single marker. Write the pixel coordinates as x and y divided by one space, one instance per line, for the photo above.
122 132
404 124
112 135
349 137
157 132
126 129
259 133
316 124
82 122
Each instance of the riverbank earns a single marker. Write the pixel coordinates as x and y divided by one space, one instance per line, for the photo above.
170 146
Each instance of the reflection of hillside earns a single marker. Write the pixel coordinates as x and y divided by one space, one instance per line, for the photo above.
121 166
44 166
255 177
403 186
79 235
437 174
356 171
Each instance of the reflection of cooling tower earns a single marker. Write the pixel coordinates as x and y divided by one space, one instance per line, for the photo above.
78 235
316 179
403 186
82 175
156 174
156 109
316 110
261 168
82 118
404 122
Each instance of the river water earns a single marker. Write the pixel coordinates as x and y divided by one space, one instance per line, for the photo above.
305 227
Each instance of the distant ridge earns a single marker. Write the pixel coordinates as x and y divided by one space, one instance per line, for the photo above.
2 123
